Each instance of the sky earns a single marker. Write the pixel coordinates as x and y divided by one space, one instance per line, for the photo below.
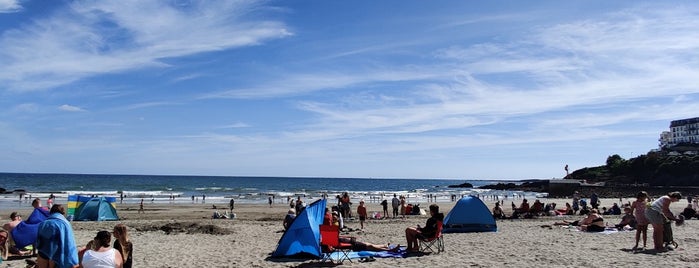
370 89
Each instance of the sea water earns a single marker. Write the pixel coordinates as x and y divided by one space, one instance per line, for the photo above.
22 187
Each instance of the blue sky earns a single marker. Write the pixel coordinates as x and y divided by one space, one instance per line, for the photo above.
395 89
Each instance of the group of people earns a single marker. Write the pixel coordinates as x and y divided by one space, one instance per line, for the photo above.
55 242
638 215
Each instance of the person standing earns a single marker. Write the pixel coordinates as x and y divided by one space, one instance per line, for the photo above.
638 209
395 203
384 205
594 201
232 205
140 207
402 207
361 212
55 241
658 213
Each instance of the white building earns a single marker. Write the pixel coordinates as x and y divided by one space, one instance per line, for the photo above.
681 131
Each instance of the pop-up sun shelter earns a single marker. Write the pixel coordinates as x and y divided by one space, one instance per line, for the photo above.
303 236
92 208
469 214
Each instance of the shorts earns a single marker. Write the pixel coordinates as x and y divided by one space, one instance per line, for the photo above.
655 217
362 218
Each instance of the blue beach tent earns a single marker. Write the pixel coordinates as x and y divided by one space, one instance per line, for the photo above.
95 209
24 234
469 214
303 236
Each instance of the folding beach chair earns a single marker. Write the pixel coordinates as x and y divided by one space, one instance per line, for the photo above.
434 244
330 239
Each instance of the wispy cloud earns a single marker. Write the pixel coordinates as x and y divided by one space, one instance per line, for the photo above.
9 6
94 38
70 108
616 59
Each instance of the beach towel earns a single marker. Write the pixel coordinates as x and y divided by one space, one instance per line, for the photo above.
402 253
25 233
56 241
608 230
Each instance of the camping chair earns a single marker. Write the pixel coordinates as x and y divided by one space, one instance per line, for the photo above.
330 238
434 244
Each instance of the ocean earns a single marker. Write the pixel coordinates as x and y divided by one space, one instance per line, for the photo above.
220 189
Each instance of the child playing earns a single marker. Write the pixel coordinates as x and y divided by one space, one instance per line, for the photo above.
638 208
361 211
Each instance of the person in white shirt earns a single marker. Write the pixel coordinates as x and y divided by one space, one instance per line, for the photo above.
103 256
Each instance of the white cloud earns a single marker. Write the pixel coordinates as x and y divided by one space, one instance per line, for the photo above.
102 37
10 6
236 125
70 108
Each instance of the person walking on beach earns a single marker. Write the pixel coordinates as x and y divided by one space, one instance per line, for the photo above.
232 204
361 212
395 203
140 207
269 200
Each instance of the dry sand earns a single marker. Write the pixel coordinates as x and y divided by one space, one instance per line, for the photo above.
248 240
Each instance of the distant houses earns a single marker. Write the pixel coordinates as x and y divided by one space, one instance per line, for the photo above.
683 132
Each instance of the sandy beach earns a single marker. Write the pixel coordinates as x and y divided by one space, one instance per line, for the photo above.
248 240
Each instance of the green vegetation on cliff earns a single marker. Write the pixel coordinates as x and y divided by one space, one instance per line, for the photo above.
655 168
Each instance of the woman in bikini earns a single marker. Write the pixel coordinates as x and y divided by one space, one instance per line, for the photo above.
593 223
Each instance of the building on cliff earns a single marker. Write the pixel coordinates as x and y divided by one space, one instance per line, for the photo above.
685 131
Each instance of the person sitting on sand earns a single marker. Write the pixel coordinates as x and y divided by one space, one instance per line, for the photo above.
689 212
412 234
593 223
568 210
290 217
15 219
103 255
498 213
524 207
123 244
627 219
536 208
36 203
55 242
